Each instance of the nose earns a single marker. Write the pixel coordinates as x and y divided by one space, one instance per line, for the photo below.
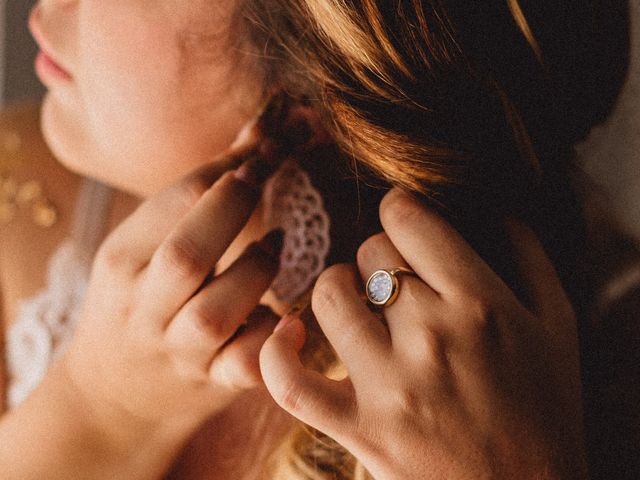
47 8
51 23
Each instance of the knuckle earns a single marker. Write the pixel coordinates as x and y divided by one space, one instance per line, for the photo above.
182 257
398 208
432 350
327 295
370 248
480 313
246 370
210 320
410 403
111 259
191 190
292 398
185 369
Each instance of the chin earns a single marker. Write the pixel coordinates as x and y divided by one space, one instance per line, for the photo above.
52 126
63 142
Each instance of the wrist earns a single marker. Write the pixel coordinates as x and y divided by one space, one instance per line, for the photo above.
58 434
121 441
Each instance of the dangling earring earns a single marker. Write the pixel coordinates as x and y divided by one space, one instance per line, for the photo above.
292 203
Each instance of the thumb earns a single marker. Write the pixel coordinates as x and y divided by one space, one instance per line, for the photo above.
236 364
309 396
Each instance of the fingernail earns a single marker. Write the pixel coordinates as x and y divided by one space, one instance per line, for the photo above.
294 313
272 243
246 136
284 321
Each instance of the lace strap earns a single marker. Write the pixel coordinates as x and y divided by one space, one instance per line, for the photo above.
90 215
44 322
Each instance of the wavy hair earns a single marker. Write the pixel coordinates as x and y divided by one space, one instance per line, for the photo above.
473 106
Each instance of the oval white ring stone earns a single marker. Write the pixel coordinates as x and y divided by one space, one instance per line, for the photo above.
380 287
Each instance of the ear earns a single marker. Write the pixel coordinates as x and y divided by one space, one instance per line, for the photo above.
303 111
291 122
296 117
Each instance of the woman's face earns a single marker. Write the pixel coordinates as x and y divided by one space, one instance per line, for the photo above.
154 89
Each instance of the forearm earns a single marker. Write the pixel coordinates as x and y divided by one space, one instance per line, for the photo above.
54 435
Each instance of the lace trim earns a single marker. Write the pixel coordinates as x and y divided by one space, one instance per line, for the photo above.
44 323
293 204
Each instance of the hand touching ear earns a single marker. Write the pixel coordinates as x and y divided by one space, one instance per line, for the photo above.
462 382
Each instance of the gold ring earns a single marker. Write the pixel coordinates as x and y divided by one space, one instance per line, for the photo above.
383 286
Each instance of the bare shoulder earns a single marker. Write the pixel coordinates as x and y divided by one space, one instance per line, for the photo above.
34 185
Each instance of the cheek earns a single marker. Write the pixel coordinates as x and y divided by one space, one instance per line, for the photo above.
147 111
126 75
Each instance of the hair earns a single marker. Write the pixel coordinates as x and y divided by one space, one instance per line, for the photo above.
472 106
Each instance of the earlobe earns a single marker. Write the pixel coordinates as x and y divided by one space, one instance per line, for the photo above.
304 112
294 119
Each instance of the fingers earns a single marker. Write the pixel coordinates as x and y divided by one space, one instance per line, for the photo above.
130 246
191 250
356 334
236 367
433 248
212 316
547 296
325 404
264 141
416 301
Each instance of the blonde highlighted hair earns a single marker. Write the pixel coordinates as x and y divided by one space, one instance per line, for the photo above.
450 99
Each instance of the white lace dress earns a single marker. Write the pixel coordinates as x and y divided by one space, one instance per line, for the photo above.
44 323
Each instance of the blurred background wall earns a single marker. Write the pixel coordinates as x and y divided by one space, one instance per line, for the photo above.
16 73
611 154
2 43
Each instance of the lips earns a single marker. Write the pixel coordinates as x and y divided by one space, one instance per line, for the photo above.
47 65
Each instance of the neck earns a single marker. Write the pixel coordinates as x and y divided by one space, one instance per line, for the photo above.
353 215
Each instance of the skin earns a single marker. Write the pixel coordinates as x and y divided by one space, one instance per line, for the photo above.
469 382
185 105
187 92
149 111
165 315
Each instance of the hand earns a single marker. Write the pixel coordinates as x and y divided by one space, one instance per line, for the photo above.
159 347
462 382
